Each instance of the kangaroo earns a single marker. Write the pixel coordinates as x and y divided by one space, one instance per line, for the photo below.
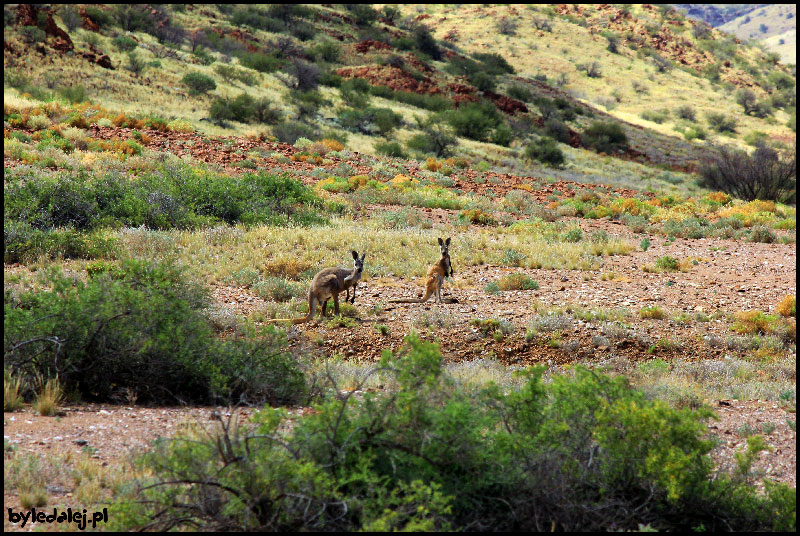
327 284
436 274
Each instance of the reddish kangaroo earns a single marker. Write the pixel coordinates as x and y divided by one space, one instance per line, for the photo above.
436 274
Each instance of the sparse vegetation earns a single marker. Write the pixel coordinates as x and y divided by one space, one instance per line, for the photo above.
210 160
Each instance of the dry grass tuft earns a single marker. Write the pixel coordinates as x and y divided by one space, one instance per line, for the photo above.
49 398
788 306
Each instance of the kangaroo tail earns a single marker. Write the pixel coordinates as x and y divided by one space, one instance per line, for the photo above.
292 320
416 300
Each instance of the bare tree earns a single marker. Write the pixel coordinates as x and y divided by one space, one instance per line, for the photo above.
764 174
507 26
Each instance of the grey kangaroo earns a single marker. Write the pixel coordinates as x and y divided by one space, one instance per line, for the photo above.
327 284
436 274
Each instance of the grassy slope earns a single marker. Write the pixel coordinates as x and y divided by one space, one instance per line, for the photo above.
160 91
780 22
533 52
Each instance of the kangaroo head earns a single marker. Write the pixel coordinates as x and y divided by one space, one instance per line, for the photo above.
444 245
358 263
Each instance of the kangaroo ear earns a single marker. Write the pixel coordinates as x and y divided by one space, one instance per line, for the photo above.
447 242
355 255
440 242
363 255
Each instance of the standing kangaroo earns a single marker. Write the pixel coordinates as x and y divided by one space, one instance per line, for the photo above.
327 284
436 274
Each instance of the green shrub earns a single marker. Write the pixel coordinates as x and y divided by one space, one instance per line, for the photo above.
327 51
244 109
32 34
291 131
720 122
474 120
435 103
435 138
425 42
74 94
545 150
517 281
135 64
230 73
695 133
762 233
578 453
199 83
125 43
656 116
667 264
99 16
143 333
24 243
172 196
258 19
605 137
573 235
260 62
686 112
278 289
390 148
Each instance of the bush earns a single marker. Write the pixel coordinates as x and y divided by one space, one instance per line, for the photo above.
136 64
435 103
258 19
435 138
258 61
788 306
306 75
720 122
390 148
199 83
558 130
425 42
141 330
386 120
763 174
244 109
582 452
74 94
99 16
545 150
230 73
517 281
474 120
125 43
172 196
656 116
32 34
520 92
71 17
686 111
24 243
606 137
290 131
762 233
507 26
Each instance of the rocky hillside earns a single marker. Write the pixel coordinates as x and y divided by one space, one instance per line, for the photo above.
773 25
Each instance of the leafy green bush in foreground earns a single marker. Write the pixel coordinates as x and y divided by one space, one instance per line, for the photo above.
139 329
581 453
